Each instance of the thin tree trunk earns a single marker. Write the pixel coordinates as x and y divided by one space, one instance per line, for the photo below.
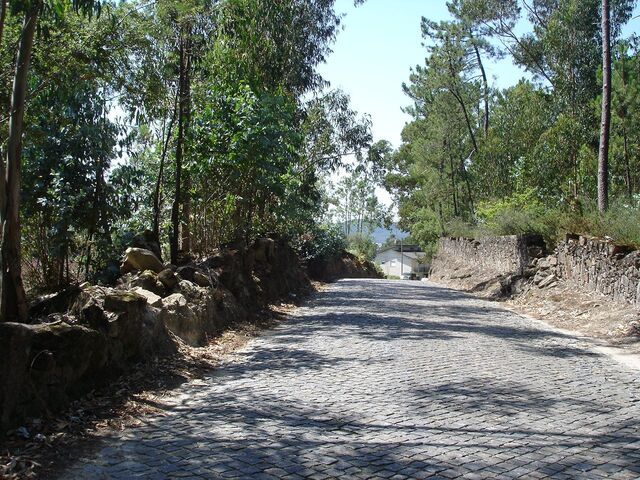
627 164
186 197
468 183
177 200
13 301
605 124
3 16
3 183
460 101
485 85
163 156
467 120
453 186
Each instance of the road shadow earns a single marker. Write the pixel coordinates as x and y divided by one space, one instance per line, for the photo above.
293 404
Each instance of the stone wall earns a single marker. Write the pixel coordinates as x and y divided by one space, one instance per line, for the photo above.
84 337
499 263
600 266
507 255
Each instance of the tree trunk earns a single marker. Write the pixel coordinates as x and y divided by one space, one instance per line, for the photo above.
13 302
603 153
182 110
186 196
3 16
453 183
3 174
465 174
157 204
467 120
485 86
627 165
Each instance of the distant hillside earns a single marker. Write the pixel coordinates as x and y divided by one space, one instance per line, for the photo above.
380 234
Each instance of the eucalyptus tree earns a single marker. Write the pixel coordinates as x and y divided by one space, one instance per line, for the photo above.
286 132
605 127
13 303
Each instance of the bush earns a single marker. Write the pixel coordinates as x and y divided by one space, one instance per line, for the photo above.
362 246
321 241
621 222
524 213
458 227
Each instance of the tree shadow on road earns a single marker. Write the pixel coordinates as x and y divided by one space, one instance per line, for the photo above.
264 436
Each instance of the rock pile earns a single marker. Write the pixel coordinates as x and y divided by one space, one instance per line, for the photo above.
83 336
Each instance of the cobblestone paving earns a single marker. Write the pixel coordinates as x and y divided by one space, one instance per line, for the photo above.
394 380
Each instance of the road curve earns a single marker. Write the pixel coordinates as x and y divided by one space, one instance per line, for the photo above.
394 379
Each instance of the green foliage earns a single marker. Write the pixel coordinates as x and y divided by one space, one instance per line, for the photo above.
519 213
233 81
476 160
248 139
320 242
621 222
362 246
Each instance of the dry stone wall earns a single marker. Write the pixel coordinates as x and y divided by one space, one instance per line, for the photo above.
85 336
506 255
600 266
591 264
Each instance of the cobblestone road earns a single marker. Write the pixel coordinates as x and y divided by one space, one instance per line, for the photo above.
380 379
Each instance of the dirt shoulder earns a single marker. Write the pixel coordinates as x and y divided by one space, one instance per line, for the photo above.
570 308
562 306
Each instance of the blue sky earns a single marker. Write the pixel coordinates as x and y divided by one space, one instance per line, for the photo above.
380 42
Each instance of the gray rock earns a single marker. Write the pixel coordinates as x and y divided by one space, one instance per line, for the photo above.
178 316
544 263
548 281
539 277
140 259
152 299
186 272
168 278
201 279
189 289
147 280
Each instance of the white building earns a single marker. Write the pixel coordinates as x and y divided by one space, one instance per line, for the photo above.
406 259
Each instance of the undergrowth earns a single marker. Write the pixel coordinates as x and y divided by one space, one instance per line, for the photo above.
523 213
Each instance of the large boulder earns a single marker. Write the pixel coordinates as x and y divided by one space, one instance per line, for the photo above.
147 241
140 259
178 316
168 279
201 279
147 280
264 249
122 317
186 272
45 366
152 299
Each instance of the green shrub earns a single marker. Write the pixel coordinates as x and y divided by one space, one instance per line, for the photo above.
362 246
321 241
621 222
520 213
459 227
